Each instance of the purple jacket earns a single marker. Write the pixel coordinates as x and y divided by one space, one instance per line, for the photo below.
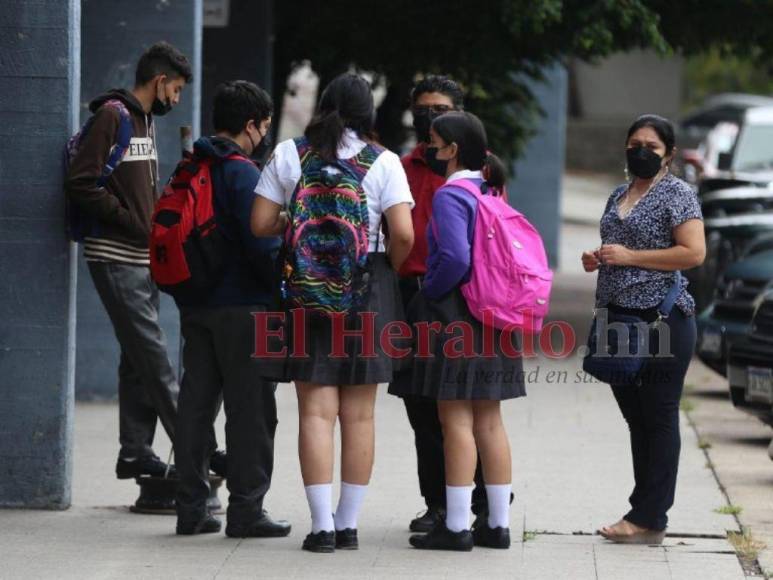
449 237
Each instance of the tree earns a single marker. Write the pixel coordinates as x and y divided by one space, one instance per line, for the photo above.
493 47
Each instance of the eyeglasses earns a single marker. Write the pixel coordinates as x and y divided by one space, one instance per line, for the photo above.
431 109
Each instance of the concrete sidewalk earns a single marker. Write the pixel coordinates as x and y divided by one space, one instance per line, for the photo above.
572 473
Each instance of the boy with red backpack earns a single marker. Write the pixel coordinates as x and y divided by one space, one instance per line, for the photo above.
204 254
111 186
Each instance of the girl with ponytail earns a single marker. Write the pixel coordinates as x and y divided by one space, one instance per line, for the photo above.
315 178
468 388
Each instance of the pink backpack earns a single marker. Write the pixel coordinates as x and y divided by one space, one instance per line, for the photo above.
510 276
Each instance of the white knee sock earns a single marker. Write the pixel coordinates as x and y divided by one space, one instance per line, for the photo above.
458 504
499 505
320 499
349 504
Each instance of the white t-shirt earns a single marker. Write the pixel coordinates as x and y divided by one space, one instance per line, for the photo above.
385 184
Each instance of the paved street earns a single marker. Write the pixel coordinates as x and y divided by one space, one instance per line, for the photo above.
571 469
572 473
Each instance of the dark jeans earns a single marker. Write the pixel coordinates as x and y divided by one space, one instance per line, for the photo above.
218 366
428 438
651 410
147 387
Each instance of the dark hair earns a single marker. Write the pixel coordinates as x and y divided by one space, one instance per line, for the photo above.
439 84
467 131
662 126
237 103
162 59
346 102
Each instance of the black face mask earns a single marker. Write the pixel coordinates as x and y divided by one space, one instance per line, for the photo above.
159 107
642 162
260 150
438 166
421 123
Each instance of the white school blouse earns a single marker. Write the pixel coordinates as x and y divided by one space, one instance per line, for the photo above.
385 184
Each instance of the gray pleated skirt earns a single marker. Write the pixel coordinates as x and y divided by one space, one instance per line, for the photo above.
359 365
496 377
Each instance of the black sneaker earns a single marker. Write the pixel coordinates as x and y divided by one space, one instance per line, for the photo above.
263 527
206 525
426 521
487 537
150 465
218 463
347 539
321 542
441 538
481 520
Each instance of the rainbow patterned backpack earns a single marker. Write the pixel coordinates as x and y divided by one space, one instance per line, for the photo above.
325 250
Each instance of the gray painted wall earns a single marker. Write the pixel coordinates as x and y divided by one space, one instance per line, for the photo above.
536 189
115 33
39 84
609 95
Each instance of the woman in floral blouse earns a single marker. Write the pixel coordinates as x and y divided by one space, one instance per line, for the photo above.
651 228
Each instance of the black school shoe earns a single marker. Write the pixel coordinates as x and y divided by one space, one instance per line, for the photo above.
263 527
218 463
347 539
487 537
441 538
426 521
322 542
150 465
206 525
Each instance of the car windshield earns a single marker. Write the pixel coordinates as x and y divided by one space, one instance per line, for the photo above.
754 150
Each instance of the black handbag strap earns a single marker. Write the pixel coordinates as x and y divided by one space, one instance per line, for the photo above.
665 308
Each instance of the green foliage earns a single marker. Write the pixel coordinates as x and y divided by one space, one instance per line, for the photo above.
711 73
495 48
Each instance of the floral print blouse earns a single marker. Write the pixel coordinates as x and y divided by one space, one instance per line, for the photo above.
648 226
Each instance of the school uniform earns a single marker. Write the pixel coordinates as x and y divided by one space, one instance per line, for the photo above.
471 376
217 356
385 185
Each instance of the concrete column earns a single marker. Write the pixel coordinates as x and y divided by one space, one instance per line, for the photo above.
115 33
536 189
39 84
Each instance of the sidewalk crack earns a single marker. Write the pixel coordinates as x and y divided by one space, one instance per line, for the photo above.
228 557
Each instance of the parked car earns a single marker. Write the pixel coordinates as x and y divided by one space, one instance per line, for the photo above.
750 365
750 161
702 162
728 239
736 200
738 293
724 107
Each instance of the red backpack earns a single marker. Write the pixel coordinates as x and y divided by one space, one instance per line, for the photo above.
186 247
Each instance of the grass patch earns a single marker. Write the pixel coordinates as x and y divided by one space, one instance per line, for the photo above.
729 510
529 535
703 443
709 465
745 544
686 405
